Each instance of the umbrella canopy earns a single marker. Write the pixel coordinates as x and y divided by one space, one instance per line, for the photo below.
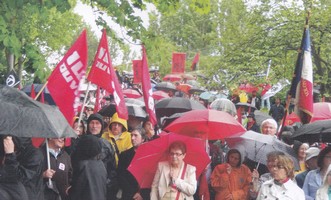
158 95
167 120
135 108
184 88
211 124
196 89
170 106
188 76
172 77
207 96
37 87
248 88
318 131
260 117
22 116
291 119
132 93
224 105
165 86
144 163
321 111
257 146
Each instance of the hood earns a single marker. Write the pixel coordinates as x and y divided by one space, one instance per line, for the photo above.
95 116
119 120
241 150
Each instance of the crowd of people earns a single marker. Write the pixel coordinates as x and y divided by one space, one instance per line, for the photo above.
94 166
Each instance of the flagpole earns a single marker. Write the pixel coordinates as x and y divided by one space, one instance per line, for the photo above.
83 106
48 161
41 90
289 95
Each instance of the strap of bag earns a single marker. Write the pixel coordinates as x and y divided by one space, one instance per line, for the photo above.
182 177
115 145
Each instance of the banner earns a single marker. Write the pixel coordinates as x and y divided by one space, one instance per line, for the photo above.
137 71
12 79
178 63
64 81
103 74
195 62
147 89
275 88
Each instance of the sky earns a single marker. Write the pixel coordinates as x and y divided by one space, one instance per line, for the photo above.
89 16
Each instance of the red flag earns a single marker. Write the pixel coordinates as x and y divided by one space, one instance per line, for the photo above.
42 98
103 74
195 62
178 63
97 105
32 92
147 89
64 81
137 71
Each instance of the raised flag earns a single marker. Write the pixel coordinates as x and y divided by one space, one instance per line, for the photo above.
178 63
97 105
64 81
302 82
195 62
275 88
147 89
137 71
103 74
12 79
32 92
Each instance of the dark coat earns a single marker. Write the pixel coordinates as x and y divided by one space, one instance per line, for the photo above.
63 174
255 128
89 181
30 167
11 186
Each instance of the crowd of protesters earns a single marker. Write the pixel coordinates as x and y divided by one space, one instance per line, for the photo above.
94 166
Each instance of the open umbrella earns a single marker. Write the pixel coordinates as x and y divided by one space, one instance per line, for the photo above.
135 108
165 86
158 95
132 93
248 88
211 124
144 163
318 131
172 77
224 105
261 116
170 106
22 116
257 146
37 87
184 88
196 89
291 119
321 111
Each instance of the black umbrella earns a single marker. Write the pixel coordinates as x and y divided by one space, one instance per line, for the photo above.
196 89
170 106
165 86
260 117
22 116
257 146
135 108
37 88
318 131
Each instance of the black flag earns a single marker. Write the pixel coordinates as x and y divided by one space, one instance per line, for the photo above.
12 79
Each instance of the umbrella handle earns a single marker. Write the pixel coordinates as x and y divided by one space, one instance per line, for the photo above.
48 161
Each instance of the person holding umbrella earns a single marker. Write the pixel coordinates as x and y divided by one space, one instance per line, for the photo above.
174 179
324 193
231 180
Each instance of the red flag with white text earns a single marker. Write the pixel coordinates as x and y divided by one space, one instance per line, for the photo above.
64 81
103 74
147 89
195 62
178 63
97 105
137 71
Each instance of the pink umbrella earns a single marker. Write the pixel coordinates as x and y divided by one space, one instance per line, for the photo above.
322 111
132 93
158 95
211 124
172 77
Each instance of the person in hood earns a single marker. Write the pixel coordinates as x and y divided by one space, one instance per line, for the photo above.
95 126
89 179
27 162
231 180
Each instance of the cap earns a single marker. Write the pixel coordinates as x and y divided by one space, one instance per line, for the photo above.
312 152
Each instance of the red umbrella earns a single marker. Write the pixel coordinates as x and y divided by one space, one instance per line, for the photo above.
291 119
322 111
131 93
184 88
248 88
211 124
158 95
172 77
144 163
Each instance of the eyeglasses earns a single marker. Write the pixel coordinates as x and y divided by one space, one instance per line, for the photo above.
277 167
175 154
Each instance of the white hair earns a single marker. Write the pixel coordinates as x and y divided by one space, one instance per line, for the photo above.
270 121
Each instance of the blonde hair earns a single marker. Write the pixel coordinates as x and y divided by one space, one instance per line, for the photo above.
287 163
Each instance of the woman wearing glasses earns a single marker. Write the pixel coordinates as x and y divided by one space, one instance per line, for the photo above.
281 186
231 180
174 179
